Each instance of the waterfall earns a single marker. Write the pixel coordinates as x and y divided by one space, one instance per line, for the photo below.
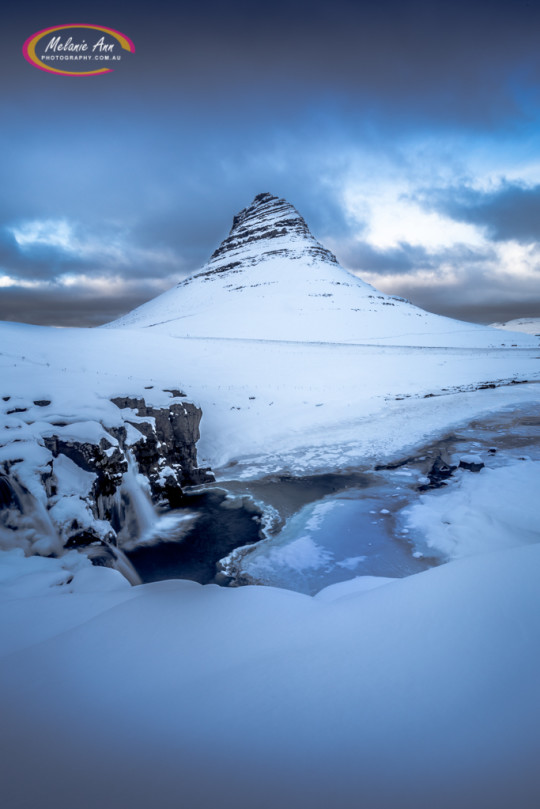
109 556
27 519
28 525
140 509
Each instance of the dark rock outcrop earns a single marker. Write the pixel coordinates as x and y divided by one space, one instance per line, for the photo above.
157 443
168 442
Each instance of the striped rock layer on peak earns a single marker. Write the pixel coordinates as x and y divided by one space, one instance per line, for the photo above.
270 279
269 227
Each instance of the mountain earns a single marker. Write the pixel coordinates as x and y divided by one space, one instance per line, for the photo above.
271 279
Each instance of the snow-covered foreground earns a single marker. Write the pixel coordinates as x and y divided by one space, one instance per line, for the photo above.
420 692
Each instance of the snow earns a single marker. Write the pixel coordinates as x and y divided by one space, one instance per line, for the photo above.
525 325
471 458
416 693
344 589
70 478
300 554
373 396
488 511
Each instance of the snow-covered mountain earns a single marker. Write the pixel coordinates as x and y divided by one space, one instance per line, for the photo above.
271 279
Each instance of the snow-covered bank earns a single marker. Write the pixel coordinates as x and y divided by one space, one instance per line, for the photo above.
479 513
421 692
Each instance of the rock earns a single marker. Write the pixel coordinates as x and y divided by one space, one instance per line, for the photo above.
438 474
170 438
101 502
473 463
267 218
7 495
174 392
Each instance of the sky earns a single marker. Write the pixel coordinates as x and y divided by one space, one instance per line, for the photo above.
406 133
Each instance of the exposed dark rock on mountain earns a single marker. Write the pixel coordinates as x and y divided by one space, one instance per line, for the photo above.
268 218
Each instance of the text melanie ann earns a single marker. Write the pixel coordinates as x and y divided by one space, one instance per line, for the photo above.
56 44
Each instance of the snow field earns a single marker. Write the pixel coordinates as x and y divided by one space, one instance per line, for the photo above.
419 691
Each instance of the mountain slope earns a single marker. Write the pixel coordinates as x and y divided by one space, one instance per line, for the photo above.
527 325
270 279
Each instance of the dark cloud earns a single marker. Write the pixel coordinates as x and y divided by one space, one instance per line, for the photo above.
454 301
489 313
510 212
474 292
72 306
360 256
443 61
460 282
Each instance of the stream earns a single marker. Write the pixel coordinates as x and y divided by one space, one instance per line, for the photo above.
306 533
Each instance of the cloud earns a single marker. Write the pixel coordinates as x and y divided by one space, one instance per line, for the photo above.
500 284
417 61
363 257
510 212
51 250
84 302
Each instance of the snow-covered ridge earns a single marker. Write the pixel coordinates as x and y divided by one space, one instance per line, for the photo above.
527 325
270 279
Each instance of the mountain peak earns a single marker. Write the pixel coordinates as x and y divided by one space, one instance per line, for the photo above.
269 227
270 210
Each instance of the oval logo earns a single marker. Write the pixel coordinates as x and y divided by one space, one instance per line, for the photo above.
77 49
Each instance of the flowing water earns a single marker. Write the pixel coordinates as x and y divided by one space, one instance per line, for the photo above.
26 515
141 516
